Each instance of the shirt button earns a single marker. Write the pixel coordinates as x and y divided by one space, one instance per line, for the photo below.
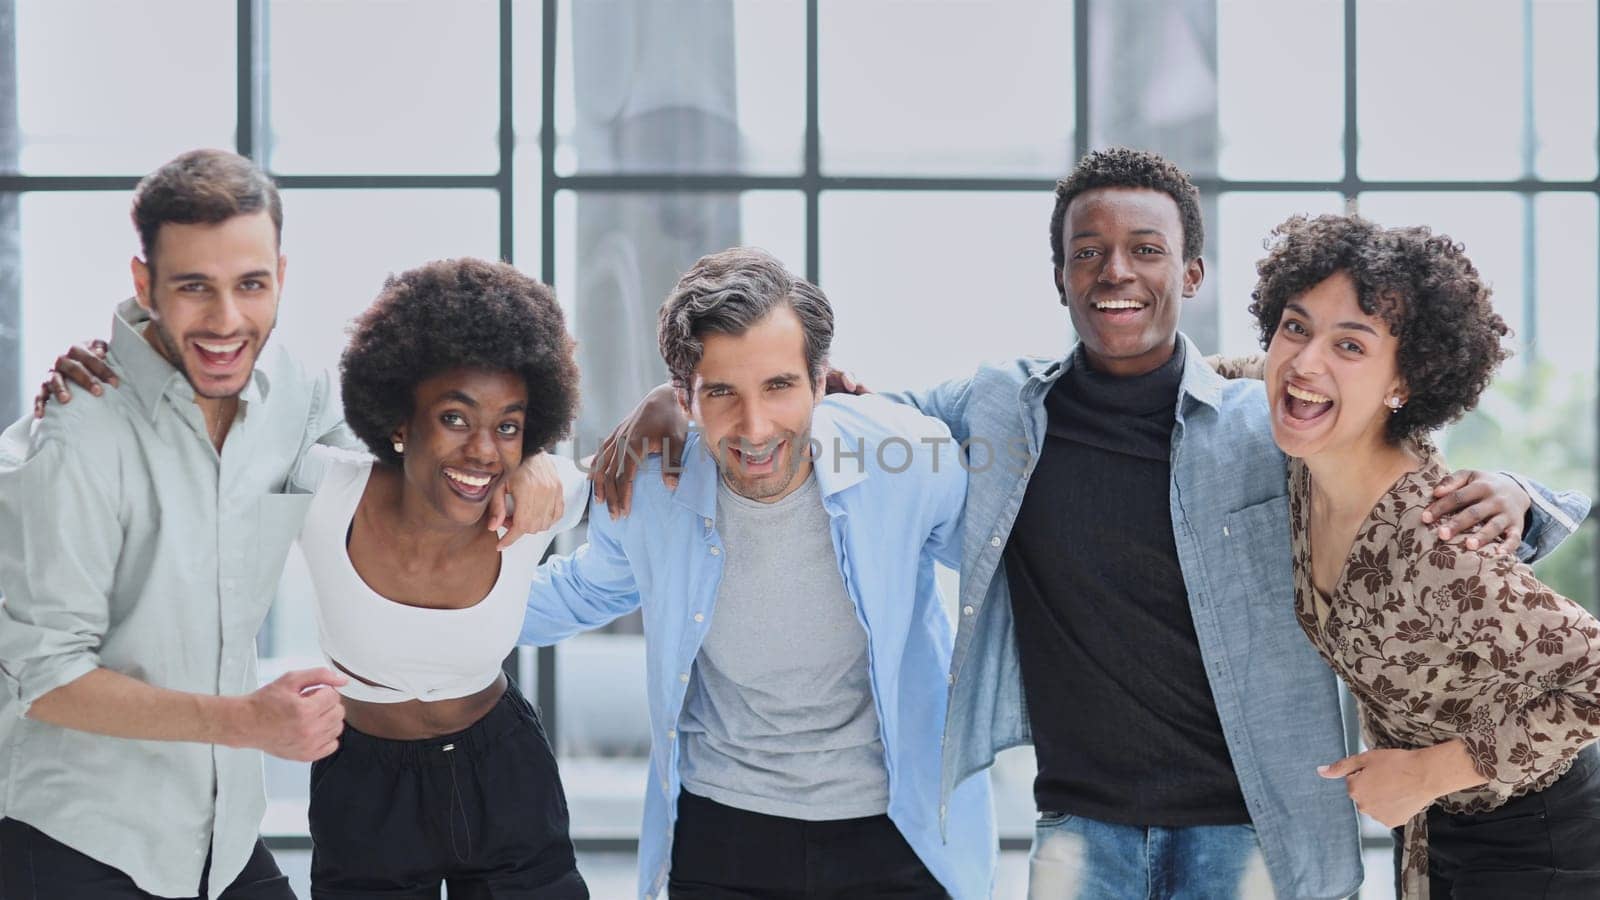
950 679
708 523
941 810
994 541
699 617
716 551
683 677
1224 531
672 735
966 610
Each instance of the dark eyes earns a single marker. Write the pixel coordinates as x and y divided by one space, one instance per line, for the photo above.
1293 327
457 420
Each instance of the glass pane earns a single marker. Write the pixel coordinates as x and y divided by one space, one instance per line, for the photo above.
1246 220
1440 88
384 86
1564 104
527 174
148 80
703 86
75 253
925 286
1271 126
1538 416
975 88
618 254
331 277
1153 79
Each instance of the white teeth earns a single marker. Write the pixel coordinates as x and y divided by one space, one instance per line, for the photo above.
1119 304
476 481
1307 396
753 458
220 349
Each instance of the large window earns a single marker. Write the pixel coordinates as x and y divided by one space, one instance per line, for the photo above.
901 153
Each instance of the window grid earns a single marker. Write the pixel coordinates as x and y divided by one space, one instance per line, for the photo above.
251 127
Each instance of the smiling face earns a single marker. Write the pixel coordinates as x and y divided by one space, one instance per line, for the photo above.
212 294
753 402
1124 277
464 436
1331 368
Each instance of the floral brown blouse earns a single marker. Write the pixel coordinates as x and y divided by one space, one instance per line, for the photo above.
1439 642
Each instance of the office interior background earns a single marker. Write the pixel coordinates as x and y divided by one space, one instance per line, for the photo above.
901 153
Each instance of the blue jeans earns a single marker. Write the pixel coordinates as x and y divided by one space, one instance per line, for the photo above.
1074 858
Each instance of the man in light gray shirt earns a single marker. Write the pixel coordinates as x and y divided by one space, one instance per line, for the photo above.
779 716
145 532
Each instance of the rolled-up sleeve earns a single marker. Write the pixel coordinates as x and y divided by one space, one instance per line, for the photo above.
56 565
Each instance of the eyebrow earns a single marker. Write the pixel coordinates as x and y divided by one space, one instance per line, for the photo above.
201 276
464 398
1348 326
1087 234
713 385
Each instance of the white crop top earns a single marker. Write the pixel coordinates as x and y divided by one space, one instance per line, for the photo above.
415 652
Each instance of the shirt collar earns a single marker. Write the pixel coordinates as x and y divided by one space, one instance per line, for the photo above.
697 485
148 373
1199 380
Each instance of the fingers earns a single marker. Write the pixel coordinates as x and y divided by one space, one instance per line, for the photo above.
92 356
1344 767
600 467
1449 496
79 374
300 679
497 509
324 750
58 387
1454 511
1496 533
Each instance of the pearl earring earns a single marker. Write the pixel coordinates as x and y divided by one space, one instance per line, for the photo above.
1394 404
399 447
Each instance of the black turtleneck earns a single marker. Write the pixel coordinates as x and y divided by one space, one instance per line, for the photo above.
1124 724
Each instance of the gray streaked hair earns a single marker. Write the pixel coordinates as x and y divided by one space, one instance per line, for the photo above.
726 293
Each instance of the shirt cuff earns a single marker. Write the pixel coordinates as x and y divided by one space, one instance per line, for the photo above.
38 677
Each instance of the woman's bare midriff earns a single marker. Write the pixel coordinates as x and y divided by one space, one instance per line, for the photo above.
415 720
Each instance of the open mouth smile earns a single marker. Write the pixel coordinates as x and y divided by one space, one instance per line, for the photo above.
219 357
470 486
1302 406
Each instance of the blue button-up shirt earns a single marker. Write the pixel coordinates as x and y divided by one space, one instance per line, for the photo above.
1278 703
888 524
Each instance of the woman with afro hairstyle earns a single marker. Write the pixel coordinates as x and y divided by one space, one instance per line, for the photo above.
1479 687
443 772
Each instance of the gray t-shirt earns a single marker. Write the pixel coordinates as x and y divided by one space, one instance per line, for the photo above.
779 717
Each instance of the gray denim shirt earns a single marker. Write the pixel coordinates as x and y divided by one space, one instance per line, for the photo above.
1278 703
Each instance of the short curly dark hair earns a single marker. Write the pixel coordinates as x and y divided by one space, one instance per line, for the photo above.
1422 284
451 314
1122 167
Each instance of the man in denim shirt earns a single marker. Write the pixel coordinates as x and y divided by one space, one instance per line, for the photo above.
1147 784
795 642
1138 504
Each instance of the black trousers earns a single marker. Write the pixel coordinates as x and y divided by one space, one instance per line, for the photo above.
35 866
721 853
481 811
1543 846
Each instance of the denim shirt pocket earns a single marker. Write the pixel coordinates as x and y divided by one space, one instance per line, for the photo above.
1258 551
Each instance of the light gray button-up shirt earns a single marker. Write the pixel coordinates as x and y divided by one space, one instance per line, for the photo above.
127 542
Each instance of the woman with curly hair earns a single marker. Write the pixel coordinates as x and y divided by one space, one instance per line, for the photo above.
1479 687
443 772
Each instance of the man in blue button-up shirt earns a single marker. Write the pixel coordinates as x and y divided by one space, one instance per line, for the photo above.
796 647
1127 242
